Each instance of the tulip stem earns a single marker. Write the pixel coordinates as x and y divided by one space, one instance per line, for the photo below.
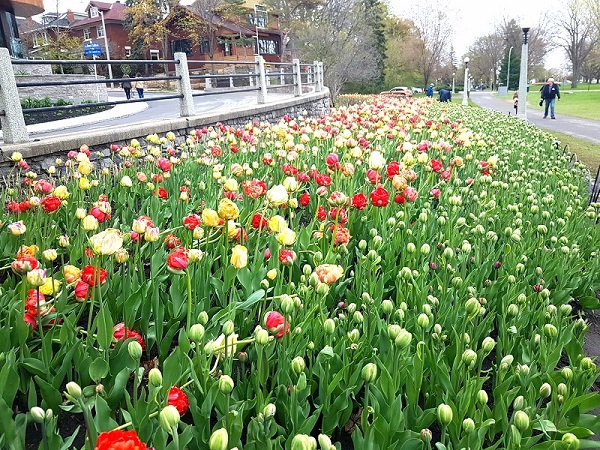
189 302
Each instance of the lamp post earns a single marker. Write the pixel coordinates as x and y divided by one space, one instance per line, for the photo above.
465 100
522 112
110 75
453 74
508 70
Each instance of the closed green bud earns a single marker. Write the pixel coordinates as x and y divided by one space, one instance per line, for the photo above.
506 362
472 307
269 410
562 389
155 377
196 332
387 306
403 339
37 414
306 269
566 309
513 310
203 318
394 331
444 414
357 317
567 373
169 418
550 331
135 350
448 253
425 249
362 244
411 247
325 442
353 335
226 384
469 358
377 242
423 320
329 326
219 440
587 364
303 442
519 403
545 390
322 289
482 397
521 420
468 425
369 372
74 390
228 328
522 299
488 345
301 385
298 365
570 441
262 336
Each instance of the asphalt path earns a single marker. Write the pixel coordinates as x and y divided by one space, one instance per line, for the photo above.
140 112
574 126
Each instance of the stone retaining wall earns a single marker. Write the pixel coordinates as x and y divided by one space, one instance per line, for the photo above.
42 154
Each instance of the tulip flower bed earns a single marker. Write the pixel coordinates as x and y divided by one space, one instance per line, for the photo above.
397 275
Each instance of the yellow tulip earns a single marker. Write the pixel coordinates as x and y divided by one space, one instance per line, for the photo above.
239 257
107 242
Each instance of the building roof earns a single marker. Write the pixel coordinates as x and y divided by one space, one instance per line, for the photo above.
112 12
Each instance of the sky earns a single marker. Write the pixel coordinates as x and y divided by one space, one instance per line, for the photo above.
472 19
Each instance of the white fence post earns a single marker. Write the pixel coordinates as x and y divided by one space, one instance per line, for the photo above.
282 76
184 86
320 74
13 124
297 78
317 77
262 80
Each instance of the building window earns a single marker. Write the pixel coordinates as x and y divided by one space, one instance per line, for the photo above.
94 11
127 51
154 54
86 34
227 48
40 39
268 47
182 45
205 46
100 32
259 18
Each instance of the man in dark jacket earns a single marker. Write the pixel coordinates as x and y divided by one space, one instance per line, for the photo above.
445 95
549 94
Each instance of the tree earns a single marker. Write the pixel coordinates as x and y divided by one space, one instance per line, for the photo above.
399 67
579 35
431 49
486 55
515 69
339 34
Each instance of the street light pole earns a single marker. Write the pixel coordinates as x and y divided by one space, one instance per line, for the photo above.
110 75
453 74
465 100
508 70
522 112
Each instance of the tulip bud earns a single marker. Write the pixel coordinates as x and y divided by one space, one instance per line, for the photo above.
322 289
545 390
521 420
155 377
488 345
513 310
219 440
302 442
550 331
423 320
262 337
169 418
228 328
196 332
567 373
468 425
135 350
298 365
587 364
469 358
482 397
269 410
403 339
37 414
562 389
329 326
358 317
472 307
301 385
444 414
325 442
353 335
226 384
506 362
74 390
387 306
426 435
369 372
570 441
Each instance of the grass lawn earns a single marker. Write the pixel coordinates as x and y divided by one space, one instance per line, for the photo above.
587 152
577 103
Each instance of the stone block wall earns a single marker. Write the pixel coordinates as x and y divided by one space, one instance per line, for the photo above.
32 69
76 93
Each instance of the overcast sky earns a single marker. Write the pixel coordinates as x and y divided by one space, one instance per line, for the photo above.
471 19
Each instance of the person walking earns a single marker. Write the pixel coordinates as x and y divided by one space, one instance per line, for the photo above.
516 101
139 85
430 90
549 94
126 85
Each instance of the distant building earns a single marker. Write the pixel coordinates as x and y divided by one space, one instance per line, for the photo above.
38 36
9 32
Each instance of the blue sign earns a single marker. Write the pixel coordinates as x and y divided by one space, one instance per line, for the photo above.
92 49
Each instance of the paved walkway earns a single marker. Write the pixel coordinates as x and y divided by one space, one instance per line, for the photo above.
574 126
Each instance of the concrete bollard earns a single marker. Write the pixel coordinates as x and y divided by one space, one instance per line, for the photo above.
13 122
297 78
184 86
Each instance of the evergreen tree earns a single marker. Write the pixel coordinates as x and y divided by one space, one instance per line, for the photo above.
515 68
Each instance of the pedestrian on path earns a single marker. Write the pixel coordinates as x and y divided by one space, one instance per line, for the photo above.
516 101
430 90
139 85
126 85
549 94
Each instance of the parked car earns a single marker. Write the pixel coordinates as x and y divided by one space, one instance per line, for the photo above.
400 91
416 90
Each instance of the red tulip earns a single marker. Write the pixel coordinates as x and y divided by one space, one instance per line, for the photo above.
192 221
122 333
287 257
93 275
119 440
50 203
380 197
178 260
275 322
178 399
